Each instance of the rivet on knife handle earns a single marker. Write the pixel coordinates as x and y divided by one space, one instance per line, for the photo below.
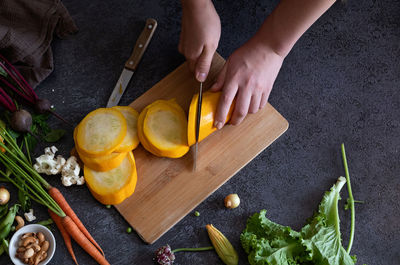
141 44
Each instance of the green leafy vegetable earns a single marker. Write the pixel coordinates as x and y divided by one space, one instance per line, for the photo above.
54 135
267 242
322 236
46 222
318 242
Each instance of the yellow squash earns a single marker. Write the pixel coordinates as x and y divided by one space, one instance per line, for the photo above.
114 186
142 138
165 129
131 140
208 110
100 132
103 163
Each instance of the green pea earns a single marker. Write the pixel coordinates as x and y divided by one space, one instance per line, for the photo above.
108 206
129 230
196 213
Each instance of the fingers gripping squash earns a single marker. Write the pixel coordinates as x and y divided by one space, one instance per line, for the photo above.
113 186
208 110
100 132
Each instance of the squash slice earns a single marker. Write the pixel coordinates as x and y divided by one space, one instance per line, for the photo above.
142 138
165 128
100 163
131 140
114 186
100 132
103 163
208 110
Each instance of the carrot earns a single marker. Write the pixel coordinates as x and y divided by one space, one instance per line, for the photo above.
67 239
74 231
62 202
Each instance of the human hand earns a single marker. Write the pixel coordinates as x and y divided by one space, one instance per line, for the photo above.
249 74
200 33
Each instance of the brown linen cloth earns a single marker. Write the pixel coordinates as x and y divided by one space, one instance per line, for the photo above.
26 31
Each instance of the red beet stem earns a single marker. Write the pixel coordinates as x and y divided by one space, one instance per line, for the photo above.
16 90
6 101
17 77
60 118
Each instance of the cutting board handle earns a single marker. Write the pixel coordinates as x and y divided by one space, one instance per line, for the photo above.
141 44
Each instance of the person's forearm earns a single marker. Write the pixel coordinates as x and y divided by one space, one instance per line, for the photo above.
287 23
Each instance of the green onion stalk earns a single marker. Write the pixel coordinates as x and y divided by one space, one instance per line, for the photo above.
16 162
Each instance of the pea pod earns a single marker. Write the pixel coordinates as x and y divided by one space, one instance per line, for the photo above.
8 220
1 250
4 244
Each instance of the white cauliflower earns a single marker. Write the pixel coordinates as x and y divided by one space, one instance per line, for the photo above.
70 173
29 216
69 169
47 164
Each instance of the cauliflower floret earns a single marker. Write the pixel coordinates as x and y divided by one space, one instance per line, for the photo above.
70 173
29 216
47 164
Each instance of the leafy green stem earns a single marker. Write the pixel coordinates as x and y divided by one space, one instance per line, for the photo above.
192 249
351 200
27 149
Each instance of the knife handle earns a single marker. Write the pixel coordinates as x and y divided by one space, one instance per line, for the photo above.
141 44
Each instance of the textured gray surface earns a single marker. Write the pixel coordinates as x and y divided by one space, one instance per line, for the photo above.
339 84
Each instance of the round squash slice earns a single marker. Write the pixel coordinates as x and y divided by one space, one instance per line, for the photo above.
165 128
131 140
114 186
103 163
100 132
100 163
208 110
142 138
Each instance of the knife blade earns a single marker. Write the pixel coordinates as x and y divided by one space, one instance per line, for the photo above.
198 118
133 61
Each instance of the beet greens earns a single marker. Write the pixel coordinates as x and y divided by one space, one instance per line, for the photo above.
14 83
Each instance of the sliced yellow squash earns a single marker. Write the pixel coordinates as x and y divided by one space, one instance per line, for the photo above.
131 140
114 186
165 128
142 138
100 132
103 163
208 110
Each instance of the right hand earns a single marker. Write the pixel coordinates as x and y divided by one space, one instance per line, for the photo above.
201 30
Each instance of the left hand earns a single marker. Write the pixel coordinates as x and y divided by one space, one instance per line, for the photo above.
249 74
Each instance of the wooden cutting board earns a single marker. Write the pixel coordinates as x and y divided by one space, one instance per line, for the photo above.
168 189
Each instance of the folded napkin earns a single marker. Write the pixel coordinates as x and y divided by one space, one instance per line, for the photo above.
26 31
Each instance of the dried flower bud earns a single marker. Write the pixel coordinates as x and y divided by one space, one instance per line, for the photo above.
222 246
165 256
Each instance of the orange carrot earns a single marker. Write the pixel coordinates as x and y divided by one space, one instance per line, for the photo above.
74 231
67 239
62 202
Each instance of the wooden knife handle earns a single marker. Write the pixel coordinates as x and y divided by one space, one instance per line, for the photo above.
141 44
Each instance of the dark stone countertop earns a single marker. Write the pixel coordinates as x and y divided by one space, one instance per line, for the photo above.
340 83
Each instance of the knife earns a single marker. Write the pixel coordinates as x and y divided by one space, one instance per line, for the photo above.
198 118
132 63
